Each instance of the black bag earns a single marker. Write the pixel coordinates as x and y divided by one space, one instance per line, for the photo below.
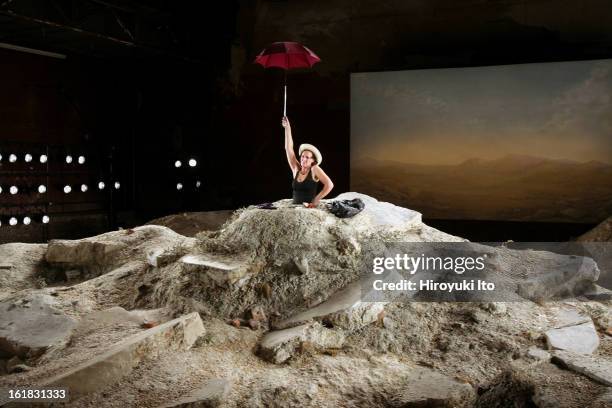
346 208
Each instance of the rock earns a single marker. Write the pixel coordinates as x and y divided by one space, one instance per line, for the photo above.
557 276
569 317
15 365
538 354
279 346
266 290
596 368
344 309
221 269
254 324
153 256
257 313
496 308
302 265
581 338
31 325
83 252
109 367
211 394
604 400
597 293
388 323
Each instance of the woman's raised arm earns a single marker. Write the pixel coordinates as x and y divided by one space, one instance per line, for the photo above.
293 163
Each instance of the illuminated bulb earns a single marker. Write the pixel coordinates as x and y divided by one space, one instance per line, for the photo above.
27 220
67 189
13 221
68 159
43 158
81 159
13 190
0 190
0 157
179 186
28 157
84 188
198 184
101 185
42 189
45 219
178 164
12 158
192 162
117 185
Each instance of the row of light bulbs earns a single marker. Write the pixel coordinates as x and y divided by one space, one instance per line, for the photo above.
191 163
13 221
67 188
179 186
43 158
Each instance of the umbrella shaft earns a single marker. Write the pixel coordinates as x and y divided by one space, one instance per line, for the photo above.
285 104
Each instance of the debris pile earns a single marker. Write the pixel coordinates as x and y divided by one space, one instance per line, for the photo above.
268 310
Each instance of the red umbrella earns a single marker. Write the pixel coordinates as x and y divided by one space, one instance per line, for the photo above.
286 55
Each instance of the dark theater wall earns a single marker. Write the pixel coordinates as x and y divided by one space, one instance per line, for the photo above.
187 84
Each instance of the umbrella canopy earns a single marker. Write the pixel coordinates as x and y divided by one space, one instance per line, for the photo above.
287 55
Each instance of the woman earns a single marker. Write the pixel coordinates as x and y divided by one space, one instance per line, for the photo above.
306 173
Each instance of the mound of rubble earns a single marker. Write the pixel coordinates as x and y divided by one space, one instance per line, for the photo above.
268 311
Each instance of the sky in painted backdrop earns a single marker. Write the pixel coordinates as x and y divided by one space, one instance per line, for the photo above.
446 116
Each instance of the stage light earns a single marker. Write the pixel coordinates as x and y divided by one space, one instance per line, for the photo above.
0 190
42 189
179 186
13 221
178 164
0 157
117 185
45 219
81 159
12 158
67 189
28 157
193 163
27 220
84 188
43 158
13 190
68 159
101 185
198 184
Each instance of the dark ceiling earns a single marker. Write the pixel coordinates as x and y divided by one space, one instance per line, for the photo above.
119 28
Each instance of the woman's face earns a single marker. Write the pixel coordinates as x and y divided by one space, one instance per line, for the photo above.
306 158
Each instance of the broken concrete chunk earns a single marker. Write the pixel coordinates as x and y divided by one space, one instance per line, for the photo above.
302 265
343 309
581 338
83 252
563 276
31 325
119 360
538 354
15 365
596 368
604 400
220 269
279 346
427 388
569 317
210 395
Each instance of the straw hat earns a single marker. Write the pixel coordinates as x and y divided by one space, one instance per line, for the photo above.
314 151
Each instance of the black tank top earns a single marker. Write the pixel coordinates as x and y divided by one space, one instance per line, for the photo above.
305 191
